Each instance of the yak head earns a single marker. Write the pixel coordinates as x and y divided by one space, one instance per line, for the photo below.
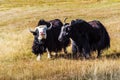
40 32
65 32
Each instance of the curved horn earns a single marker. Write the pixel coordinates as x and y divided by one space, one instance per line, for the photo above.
50 26
69 24
65 19
31 30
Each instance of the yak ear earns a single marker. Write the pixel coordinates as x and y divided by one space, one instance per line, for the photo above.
66 24
34 33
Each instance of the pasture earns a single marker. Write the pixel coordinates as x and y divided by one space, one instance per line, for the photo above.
17 62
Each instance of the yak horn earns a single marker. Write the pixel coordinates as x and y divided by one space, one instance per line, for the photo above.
31 30
50 26
65 19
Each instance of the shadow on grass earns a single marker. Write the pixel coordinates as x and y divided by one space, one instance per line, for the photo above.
113 55
70 56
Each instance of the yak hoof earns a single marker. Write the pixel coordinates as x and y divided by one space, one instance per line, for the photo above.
38 57
49 56
87 56
56 55
98 57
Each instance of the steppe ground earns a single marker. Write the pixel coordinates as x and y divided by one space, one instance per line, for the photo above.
17 62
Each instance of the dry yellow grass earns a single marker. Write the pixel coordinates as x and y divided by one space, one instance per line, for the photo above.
16 59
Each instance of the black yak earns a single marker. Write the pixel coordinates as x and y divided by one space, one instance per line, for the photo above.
46 37
86 36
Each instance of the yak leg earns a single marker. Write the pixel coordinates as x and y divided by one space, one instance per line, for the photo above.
86 50
85 53
75 51
65 51
99 54
55 53
80 51
49 53
86 47
38 57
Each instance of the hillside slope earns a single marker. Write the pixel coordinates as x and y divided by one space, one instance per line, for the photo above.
17 62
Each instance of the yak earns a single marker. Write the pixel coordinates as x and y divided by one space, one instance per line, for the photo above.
86 36
46 38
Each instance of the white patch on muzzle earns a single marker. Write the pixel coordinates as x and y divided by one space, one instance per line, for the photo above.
42 32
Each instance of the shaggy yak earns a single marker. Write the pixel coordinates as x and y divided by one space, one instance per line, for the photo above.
46 38
86 36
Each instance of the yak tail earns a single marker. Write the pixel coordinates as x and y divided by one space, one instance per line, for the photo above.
105 35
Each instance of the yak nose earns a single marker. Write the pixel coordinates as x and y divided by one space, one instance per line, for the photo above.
41 33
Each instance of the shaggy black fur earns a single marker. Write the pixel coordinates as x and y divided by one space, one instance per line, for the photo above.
51 42
86 36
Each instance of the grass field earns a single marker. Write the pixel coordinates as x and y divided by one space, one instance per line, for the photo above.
17 62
